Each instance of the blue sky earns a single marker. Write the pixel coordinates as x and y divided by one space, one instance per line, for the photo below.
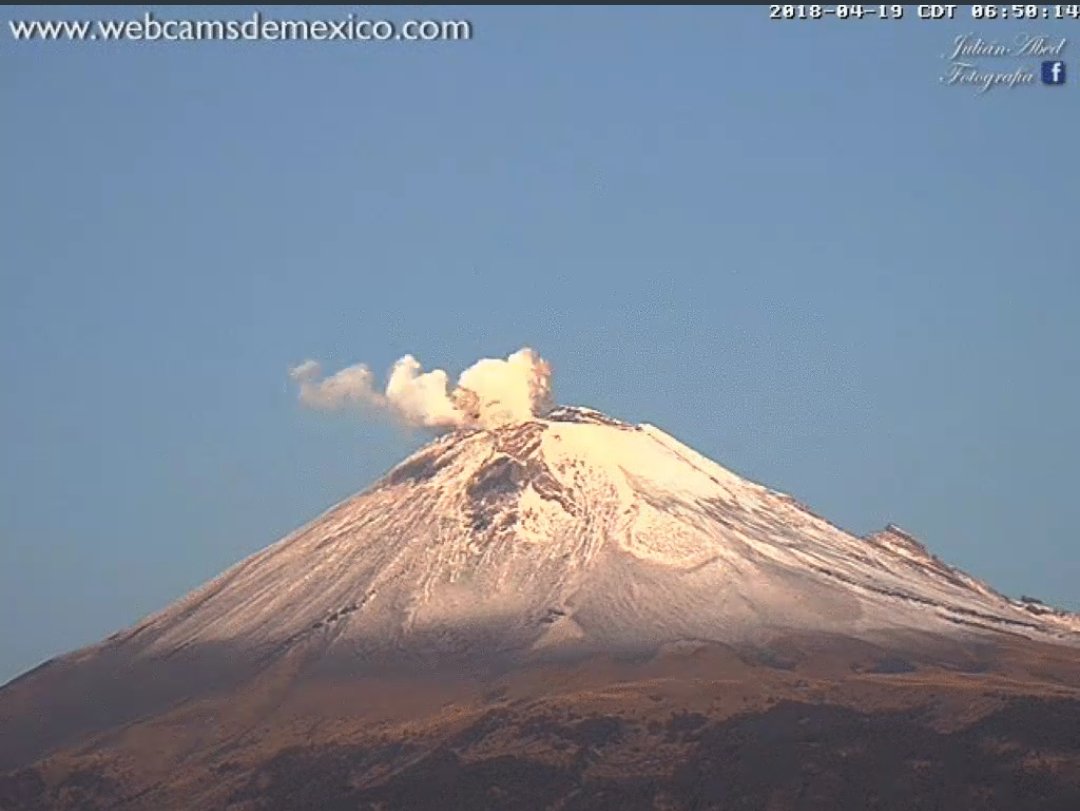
785 243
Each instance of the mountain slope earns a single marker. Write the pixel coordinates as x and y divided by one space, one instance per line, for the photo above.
500 567
577 532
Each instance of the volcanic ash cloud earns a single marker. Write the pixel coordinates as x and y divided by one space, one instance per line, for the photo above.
490 392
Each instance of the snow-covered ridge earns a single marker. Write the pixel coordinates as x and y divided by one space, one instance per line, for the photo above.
578 531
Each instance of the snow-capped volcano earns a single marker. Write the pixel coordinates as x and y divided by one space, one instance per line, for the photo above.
576 533
535 613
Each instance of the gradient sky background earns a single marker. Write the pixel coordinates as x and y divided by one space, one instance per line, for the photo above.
785 243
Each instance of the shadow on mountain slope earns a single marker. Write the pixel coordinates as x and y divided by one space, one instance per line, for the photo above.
794 755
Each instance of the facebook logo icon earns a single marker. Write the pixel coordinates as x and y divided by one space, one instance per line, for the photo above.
1053 72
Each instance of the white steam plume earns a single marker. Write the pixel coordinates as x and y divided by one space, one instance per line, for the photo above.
490 392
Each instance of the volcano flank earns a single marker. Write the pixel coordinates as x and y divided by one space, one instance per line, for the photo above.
567 611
